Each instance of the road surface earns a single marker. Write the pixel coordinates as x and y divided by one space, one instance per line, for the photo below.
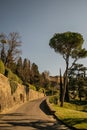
32 115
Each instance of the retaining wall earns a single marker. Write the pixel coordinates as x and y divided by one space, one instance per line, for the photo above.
8 100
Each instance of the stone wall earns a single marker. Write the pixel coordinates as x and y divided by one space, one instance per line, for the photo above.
8 99
34 95
19 95
5 93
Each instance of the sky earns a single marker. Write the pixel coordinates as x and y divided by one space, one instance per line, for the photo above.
37 21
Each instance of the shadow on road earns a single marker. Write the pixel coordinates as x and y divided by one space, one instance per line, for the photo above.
38 124
24 122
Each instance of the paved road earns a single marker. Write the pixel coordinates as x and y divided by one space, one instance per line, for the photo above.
30 116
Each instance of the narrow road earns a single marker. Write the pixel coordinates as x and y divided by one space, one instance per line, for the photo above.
30 116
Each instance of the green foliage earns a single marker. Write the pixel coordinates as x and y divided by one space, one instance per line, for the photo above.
13 86
32 87
12 76
35 76
53 99
3 55
9 54
42 90
79 105
26 71
66 43
70 116
78 80
19 68
2 67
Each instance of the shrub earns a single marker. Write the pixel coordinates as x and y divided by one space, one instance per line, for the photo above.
53 99
2 67
32 87
29 86
12 76
42 90
13 86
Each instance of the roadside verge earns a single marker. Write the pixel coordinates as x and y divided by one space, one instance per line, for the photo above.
53 112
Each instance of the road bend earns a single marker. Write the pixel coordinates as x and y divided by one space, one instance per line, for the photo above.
31 115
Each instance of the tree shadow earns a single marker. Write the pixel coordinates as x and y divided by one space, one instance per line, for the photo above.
80 103
11 114
24 123
77 102
76 121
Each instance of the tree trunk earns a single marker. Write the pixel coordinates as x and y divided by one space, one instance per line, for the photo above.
65 84
61 88
67 93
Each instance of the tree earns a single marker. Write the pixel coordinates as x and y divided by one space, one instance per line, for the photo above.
81 89
19 68
61 86
3 51
44 81
68 44
13 51
26 71
78 80
35 76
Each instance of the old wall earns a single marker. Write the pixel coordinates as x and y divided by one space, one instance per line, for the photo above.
5 93
20 94
8 99
34 95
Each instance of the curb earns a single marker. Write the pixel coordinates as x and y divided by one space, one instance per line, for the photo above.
53 113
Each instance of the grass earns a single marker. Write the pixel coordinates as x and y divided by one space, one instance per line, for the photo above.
76 105
72 114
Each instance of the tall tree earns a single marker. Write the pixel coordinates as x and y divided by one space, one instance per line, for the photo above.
26 71
13 52
35 76
19 68
68 44
44 81
61 86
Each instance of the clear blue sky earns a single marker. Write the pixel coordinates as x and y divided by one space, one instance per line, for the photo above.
37 21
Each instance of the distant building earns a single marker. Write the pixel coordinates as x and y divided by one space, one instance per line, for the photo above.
55 79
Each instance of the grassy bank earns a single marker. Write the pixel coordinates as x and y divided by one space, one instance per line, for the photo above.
72 114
